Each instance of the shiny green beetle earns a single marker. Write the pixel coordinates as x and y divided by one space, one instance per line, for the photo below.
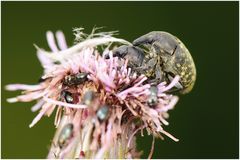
65 134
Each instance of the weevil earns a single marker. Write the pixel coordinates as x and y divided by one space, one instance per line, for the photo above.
166 57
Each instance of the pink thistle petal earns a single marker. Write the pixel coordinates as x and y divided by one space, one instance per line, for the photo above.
51 41
169 106
113 74
169 135
105 79
107 142
111 61
14 87
50 110
59 103
141 81
131 109
55 80
46 62
39 116
59 71
26 98
37 106
133 134
152 149
73 66
58 117
163 120
61 40
122 95
172 84
137 79
12 100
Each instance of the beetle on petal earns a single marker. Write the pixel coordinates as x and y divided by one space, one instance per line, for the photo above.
166 58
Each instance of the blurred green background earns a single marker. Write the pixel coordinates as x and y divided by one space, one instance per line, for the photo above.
206 120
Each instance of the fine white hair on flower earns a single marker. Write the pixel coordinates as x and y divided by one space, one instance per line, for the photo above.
119 97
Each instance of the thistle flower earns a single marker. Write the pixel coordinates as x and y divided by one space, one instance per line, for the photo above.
101 103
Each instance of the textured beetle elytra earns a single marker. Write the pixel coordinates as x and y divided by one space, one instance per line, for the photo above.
71 80
166 58
102 112
153 99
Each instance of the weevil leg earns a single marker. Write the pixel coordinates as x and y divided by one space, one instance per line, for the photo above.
148 68
153 71
139 70
159 73
151 63
159 76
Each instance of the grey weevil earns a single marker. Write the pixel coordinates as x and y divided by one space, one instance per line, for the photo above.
167 57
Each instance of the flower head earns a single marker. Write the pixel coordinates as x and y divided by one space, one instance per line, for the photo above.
106 102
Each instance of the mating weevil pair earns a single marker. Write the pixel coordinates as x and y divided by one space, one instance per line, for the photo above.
167 58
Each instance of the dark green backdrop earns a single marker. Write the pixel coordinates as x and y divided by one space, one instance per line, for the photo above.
206 120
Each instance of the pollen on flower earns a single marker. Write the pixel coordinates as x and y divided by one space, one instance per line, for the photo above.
105 102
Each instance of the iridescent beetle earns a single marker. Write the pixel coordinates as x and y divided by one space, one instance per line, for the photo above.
77 79
88 97
167 58
65 134
153 99
103 112
69 97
